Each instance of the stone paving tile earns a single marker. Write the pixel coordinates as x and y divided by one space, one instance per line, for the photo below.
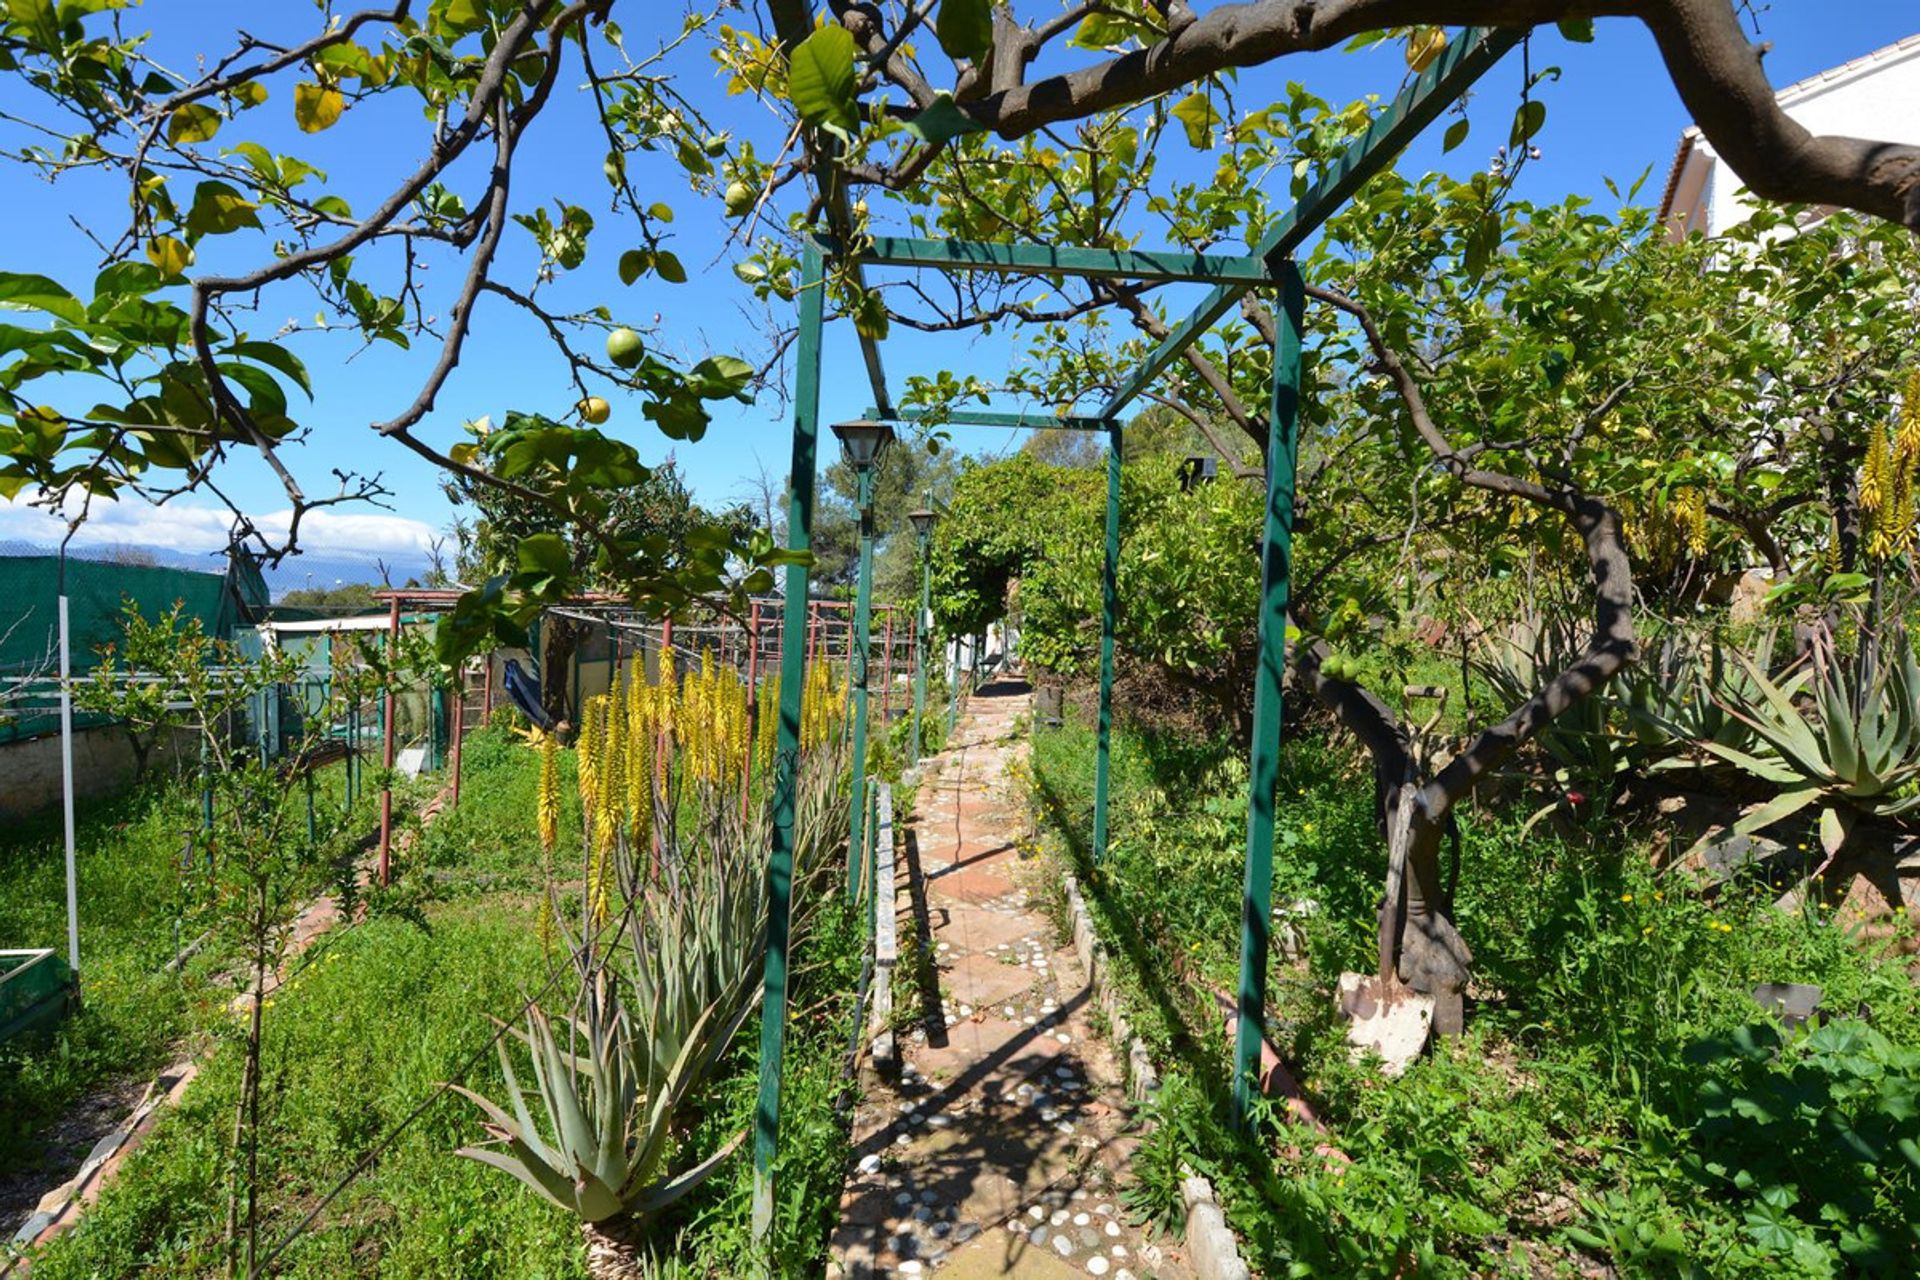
999 1151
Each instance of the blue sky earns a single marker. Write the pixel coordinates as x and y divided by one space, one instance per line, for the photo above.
1613 114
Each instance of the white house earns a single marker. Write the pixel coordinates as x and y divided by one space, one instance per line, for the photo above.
1875 96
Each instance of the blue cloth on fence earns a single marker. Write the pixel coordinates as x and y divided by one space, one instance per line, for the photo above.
525 692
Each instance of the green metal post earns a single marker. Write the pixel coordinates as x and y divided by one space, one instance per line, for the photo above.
920 649
1276 556
862 638
793 677
1109 607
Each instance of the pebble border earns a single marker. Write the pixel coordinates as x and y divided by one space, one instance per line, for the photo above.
1211 1247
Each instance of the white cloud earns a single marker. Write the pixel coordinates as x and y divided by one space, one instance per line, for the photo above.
178 526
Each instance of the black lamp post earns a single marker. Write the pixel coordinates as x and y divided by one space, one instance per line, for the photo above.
862 443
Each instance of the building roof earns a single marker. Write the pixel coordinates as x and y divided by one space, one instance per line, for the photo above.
1797 92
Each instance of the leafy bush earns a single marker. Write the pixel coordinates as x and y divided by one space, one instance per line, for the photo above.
1559 1126
1815 1139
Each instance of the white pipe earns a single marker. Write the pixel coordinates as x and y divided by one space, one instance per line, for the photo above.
66 789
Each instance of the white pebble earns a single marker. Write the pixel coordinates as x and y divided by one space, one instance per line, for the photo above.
1062 1246
1097 1265
1036 1212
1081 1219
1113 1228
869 1164
1059 1217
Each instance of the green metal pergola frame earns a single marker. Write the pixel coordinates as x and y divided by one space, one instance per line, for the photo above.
1269 265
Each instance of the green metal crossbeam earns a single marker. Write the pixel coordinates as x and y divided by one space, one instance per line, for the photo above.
1162 266
1462 62
1030 421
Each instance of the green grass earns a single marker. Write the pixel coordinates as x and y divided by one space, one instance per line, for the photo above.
388 1010
135 908
1565 1122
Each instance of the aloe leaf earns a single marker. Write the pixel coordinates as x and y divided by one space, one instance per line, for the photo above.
1759 767
574 1131
524 1165
1778 809
1836 722
665 1193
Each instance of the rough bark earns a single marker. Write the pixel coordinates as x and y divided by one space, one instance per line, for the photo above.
1708 55
556 668
613 1249
1418 940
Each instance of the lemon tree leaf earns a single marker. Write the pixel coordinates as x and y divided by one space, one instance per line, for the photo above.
192 123
965 28
820 80
170 255
1196 112
316 107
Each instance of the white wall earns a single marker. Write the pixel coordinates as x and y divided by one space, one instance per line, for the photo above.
1879 99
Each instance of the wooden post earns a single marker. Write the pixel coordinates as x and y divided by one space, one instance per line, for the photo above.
458 727
386 753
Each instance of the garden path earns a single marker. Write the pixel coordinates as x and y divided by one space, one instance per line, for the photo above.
1001 1148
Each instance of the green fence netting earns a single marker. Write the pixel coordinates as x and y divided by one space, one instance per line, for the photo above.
98 593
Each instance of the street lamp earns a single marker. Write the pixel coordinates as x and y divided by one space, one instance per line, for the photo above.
922 526
861 443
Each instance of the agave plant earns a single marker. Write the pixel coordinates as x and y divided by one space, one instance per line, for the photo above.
1831 737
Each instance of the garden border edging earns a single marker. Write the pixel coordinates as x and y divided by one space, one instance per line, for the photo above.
1211 1246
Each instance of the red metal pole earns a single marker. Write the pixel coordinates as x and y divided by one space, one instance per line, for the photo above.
486 689
753 702
886 673
386 753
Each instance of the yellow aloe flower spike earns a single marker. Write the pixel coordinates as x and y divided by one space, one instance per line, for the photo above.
609 775
548 807
586 753
1907 436
639 764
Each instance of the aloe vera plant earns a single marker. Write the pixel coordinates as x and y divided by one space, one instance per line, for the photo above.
665 962
1830 737
1675 696
610 1077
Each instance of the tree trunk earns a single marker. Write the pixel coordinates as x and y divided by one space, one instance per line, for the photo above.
613 1249
1433 958
556 668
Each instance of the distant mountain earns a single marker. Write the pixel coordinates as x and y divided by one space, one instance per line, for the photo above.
315 568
